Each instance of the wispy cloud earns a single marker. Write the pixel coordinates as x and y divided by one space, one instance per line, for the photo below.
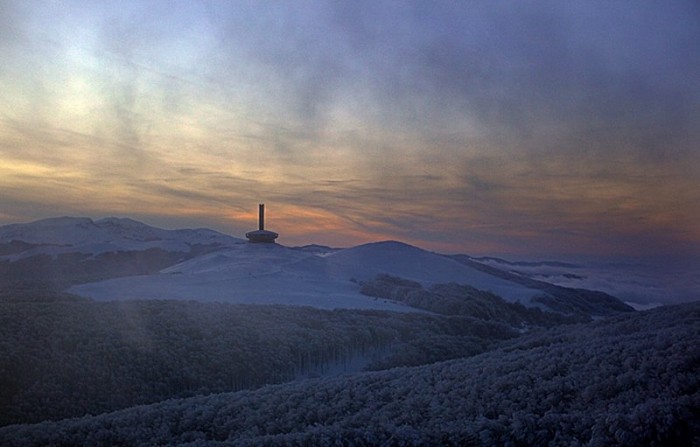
495 127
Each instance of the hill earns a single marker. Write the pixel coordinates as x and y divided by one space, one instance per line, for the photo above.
62 359
117 259
110 314
81 234
627 380
71 250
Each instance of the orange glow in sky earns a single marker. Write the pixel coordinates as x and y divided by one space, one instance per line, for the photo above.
483 129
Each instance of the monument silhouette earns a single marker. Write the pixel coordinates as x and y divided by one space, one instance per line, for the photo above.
261 235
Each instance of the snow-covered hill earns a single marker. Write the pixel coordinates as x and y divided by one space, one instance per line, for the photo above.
364 262
118 259
267 274
247 273
83 235
630 380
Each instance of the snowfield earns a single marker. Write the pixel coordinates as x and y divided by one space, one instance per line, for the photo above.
83 235
122 259
248 274
271 273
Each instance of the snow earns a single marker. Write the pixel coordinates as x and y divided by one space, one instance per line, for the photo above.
274 274
630 380
640 306
398 259
642 282
248 273
83 235
240 272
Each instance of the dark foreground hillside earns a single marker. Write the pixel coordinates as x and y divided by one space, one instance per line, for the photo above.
67 357
629 380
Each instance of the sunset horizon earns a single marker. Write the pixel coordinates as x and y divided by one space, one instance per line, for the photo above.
533 130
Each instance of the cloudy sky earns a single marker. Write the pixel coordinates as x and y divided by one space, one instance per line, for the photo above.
528 128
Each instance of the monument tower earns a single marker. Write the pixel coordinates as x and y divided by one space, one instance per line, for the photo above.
261 235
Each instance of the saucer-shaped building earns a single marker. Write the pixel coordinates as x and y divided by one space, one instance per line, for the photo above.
261 235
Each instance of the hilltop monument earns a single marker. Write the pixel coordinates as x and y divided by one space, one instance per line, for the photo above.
261 235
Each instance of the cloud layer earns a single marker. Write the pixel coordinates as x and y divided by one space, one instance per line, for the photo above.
530 128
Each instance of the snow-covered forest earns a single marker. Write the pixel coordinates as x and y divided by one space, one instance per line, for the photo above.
189 337
66 357
627 380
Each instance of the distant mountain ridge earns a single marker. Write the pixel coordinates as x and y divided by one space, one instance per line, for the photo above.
120 233
72 250
491 259
120 258
320 250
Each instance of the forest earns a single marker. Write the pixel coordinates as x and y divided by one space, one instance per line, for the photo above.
626 380
65 356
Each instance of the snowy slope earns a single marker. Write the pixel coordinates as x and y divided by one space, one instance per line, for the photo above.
83 235
395 258
132 260
271 273
246 273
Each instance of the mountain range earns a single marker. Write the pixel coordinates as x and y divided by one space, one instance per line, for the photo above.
117 259
114 332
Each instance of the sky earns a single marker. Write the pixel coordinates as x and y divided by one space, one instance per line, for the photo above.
540 129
